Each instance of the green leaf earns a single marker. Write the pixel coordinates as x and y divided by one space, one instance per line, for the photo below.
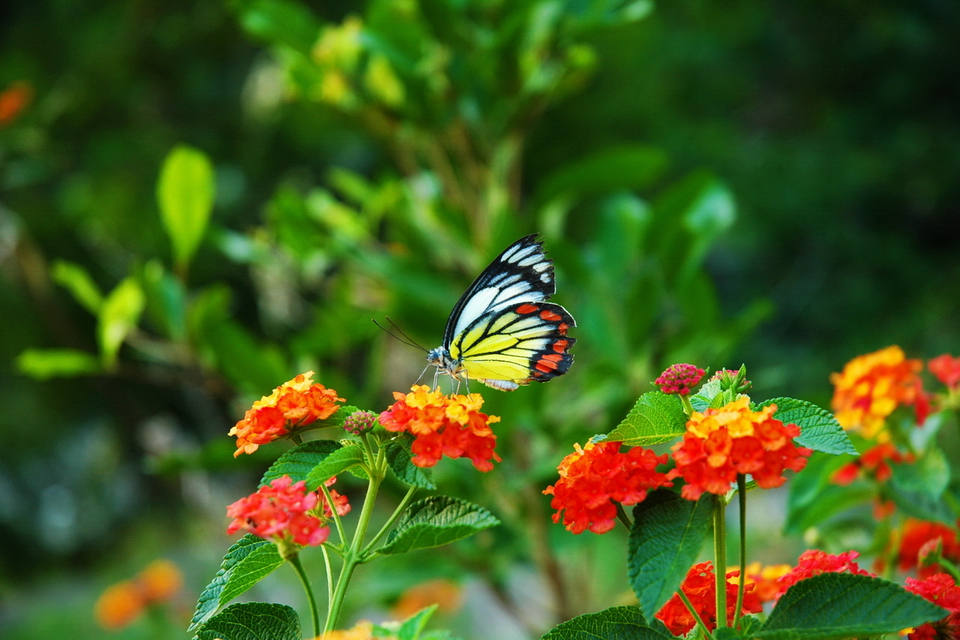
43 364
253 621
280 22
400 460
842 605
819 429
666 538
166 300
436 521
813 498
413 626
657 417
919 504
334 464
119 315
703 399
929 475
75 279
185 195
616 623
300 461
246 562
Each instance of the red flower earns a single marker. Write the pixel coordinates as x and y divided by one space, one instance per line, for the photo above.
874 463
292 405
285 511
593 478
679 379
451 426
947 370
917 534
13 100
941 591
813 562
700 587
765 579
721 443
871 386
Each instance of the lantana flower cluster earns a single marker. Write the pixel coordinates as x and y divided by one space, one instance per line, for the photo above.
700 587
919 538
941 590
451 426
122 603
721 443
293 405
285 511
872 386
596 476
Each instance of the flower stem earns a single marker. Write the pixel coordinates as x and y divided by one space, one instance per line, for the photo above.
720 558
742 495
389 523
693 612
622 516
314 614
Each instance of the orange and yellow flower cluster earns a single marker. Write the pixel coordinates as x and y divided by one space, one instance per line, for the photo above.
593 478
872 386
721 443
451 426
286 512
122 603
292 405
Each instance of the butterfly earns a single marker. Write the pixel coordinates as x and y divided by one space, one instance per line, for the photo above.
502 331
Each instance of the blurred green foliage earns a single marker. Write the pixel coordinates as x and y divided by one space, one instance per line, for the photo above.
367 160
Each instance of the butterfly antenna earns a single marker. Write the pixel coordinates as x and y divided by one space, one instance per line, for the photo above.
410 340
407 340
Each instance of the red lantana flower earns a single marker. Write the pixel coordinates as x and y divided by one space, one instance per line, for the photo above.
813 562
285 512
917 534
874 463
947 370
451 426
720 443
596 476
679 379
700 587
292 405
941 591
871 386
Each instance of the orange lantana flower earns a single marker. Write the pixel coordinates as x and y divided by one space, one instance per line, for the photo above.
596 476
870 387
451 426
721 443
917 534
765 578
292 405
363 630
700 587
446 594
123 602
947 370
874 463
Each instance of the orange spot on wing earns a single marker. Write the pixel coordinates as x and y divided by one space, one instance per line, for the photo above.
550 316
562 328
561 345
527 308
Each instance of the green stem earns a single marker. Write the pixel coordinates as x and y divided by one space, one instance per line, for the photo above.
720 558
333 511
949 567
314 614
687 407
622 516
693 612
389 523
352 557
329 569
742 495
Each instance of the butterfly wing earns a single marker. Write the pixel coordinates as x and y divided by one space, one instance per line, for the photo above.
515 344
502 331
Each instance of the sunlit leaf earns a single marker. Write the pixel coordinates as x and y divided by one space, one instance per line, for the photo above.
185 194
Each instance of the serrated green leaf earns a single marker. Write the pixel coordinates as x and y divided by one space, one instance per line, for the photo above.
819 429
247 561
185 194
400 460
436 521
43 364
842 605
615 623
75 279
656 417
119 315
300 461
253 621
334 464
666 538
